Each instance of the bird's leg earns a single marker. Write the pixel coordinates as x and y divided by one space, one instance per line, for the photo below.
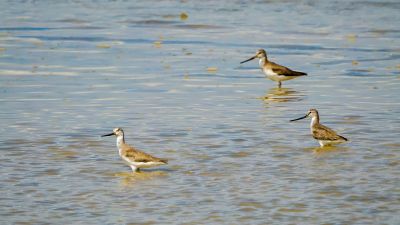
134 168
279 84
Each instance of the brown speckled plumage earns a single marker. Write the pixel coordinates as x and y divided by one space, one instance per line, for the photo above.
324 134
135 158
136 155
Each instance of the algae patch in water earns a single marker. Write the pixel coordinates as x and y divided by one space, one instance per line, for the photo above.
103 45
212 69
157 44
256 205
184 16
352 38
240 154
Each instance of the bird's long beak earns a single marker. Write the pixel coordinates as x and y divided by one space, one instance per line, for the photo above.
248 59
303 117
107 135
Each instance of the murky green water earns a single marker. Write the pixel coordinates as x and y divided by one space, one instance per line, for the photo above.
72 71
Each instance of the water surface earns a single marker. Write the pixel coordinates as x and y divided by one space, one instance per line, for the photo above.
73 70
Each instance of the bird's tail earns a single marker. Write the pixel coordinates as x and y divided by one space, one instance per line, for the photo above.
343 138
297 73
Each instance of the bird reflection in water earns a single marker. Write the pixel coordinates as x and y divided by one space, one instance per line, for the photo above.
321 151
129 178
277 94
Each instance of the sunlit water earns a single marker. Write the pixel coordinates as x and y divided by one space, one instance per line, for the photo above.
72 71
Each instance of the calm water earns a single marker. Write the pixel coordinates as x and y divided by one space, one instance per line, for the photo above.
72 71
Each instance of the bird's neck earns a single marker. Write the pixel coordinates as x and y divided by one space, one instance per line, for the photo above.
262 61
314 120
120 141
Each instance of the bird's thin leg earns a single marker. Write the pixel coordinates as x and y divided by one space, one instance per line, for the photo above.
134 169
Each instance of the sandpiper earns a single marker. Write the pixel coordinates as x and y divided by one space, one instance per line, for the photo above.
324 135
136 159
274 71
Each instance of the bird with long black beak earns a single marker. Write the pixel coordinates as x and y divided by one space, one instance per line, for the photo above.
323 134
274 71
133 157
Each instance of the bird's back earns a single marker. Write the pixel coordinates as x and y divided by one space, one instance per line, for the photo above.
134 155
321 132
282 70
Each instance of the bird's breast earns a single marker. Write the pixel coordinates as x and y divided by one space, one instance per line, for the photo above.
269 72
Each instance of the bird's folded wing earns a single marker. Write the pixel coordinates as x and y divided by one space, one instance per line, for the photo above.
281 70
325 133
139 156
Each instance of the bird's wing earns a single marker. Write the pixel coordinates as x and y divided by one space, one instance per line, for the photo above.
138 156
322 132
282 70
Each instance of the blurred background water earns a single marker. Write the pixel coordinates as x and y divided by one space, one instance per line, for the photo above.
168 72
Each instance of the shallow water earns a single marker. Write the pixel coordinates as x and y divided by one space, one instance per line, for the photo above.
72 71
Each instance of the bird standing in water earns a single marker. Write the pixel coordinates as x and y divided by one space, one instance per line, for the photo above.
274 71
134 158
323 134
